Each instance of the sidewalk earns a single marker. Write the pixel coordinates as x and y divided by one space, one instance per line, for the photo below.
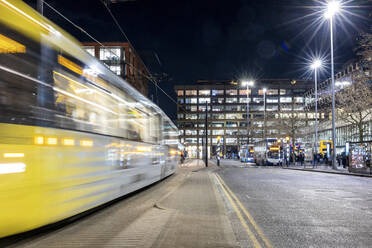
326 169
197 215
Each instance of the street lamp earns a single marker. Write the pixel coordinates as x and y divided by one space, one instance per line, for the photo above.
315 65
248 83
332 8
264 92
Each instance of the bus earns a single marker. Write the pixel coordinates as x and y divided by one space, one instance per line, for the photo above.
268 152
247 153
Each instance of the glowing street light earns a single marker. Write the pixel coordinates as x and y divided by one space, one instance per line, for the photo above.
333 8
315 66
248 84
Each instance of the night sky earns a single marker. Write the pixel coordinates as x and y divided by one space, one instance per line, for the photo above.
212 39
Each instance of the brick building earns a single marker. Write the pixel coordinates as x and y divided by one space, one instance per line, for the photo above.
122 59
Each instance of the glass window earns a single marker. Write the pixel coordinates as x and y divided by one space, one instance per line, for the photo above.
217 132
231 92
221 100
231 100
180 116
217 92
272 92
180 93
257 108
90 50
272 99
116 69
204 100
286 107
231 124
244 100
109 53
282 91
193 108
272 107
180 100
258 100
191 132
244 92
298 107
191 116
202 108
231 140
217 108
234 116
231 132
218 116
286 99
299 99
204 92
190 92
217 124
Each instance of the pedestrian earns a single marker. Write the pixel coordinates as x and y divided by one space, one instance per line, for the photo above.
301 158
315 160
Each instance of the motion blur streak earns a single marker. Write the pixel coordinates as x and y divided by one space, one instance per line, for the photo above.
69 142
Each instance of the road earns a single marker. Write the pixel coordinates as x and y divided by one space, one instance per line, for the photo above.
233 205
301 209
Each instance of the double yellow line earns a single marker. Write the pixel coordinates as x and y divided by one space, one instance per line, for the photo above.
239 208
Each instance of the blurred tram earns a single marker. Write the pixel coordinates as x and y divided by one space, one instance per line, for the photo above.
73 135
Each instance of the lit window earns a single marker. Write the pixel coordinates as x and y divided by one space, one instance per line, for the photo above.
231 92
231 100
217 92
282 91
116 69
179 92
217 132
257 100
272 92
272 99
204 92
299 99
204 100
109 53
244 92
244 100
286 99
191 93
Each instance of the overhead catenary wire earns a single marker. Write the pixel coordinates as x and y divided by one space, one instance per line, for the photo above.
130 43
151 79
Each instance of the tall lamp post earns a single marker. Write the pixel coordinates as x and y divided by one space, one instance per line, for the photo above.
332 8
40 6
248 84
264 93
315 65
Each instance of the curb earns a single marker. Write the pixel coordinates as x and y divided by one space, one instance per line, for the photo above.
329 172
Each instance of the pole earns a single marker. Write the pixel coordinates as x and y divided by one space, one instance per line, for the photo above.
333 100
248 129
316 111
206 134
40 6
264 115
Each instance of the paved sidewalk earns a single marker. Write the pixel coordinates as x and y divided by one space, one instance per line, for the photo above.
327 169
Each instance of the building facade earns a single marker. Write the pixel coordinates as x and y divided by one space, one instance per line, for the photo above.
226 103
123 60
345 132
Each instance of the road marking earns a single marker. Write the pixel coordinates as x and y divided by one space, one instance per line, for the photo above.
249 216
241 218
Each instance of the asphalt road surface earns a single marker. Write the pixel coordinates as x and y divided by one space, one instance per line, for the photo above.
298 208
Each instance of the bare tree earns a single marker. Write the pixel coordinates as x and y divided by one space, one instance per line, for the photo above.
291 122
355 101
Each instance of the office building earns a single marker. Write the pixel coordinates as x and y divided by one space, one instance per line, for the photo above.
227 112
123 60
